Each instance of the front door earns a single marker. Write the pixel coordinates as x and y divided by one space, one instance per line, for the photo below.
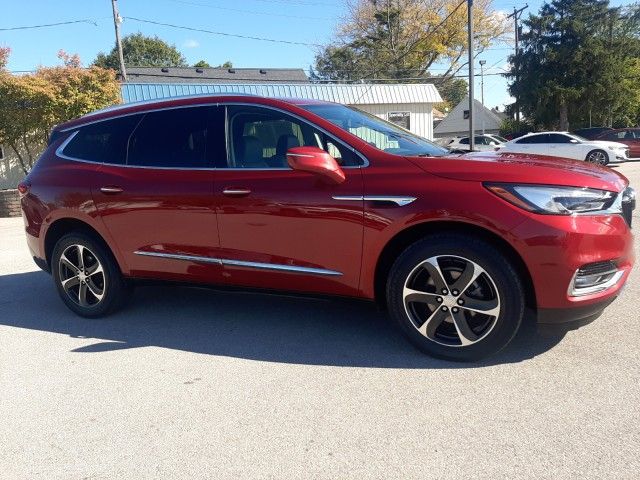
284 229
159 205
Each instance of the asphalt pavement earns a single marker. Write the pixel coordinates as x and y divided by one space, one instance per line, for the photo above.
194 383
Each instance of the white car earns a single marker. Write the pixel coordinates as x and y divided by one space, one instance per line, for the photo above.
483 142
568 145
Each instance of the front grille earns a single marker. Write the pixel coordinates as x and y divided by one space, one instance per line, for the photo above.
628 204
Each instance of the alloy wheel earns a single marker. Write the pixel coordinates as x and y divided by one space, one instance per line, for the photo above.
82 276
597 157
451 300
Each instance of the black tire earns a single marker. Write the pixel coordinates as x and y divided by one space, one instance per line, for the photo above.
599 157
499 279
116 291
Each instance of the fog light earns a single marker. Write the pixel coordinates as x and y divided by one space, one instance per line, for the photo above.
594 278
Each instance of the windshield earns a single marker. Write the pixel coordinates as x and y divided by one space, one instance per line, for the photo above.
499 138
578 137
378 133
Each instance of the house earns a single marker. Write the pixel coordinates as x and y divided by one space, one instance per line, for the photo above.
215 75
456 123
407 105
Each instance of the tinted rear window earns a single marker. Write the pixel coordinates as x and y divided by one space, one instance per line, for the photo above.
103 142
170 138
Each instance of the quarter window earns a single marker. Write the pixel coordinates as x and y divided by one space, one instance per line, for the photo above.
103 142
174 138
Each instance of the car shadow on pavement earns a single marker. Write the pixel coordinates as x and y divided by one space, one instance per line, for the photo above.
273 328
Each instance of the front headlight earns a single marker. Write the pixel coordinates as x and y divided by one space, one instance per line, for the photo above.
558 200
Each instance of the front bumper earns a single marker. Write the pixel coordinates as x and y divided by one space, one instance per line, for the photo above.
555 247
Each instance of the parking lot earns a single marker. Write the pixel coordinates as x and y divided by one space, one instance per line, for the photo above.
195 383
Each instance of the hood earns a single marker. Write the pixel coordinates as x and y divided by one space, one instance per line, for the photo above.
522 168
606 143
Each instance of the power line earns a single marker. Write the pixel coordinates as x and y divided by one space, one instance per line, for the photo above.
252 12
46 25
225 34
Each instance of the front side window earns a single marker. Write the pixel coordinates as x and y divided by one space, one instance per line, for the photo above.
260 137
378 133
175 138
103 142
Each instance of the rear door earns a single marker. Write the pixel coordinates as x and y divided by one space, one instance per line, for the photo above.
157 202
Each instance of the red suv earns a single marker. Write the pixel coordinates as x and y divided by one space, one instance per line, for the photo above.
320 198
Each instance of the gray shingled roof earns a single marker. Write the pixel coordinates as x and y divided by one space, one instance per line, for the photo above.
215 75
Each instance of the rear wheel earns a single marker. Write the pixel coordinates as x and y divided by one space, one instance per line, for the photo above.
87 276
455 297
598 157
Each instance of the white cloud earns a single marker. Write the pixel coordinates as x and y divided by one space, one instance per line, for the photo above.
191 43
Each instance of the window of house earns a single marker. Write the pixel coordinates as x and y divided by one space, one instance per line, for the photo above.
465 114
103 142
402 119
174 138
260 137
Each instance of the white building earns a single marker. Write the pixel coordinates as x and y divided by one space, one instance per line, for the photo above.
408 105
457 122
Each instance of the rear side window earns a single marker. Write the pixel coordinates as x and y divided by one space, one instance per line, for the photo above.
103 142
171 138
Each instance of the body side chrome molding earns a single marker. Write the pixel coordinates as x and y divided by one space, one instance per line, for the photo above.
239 263
399 200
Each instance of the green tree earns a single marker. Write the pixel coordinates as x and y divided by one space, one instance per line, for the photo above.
578 65
403 39
142 51
205 64
31 105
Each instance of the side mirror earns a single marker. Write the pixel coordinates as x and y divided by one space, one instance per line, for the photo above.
493 144
573 140
315 160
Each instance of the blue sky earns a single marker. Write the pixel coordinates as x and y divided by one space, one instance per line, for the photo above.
306 21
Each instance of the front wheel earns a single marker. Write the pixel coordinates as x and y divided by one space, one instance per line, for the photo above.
87 276
598 157
455 297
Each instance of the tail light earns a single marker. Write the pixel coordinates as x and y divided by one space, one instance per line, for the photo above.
23 188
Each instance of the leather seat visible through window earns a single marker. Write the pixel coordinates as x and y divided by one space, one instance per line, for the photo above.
285 142
250 153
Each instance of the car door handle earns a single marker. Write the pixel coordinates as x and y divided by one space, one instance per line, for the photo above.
111 190
236 192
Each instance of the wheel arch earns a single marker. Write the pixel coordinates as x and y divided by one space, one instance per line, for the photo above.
65 225
408 236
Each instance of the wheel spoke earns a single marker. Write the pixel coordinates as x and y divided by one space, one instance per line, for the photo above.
467 337
411 295
70 282
428 328
80 249
94 269
68 263
469 275
486 307
82 295
431 265
95 291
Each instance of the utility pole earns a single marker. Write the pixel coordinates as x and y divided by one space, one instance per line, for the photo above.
471 75
117 20
482 64
516 17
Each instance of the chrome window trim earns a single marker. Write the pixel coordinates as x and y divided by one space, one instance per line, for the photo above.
240 263
399 200
365 161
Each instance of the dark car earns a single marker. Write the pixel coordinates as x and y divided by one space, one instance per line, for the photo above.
591 133
319 198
